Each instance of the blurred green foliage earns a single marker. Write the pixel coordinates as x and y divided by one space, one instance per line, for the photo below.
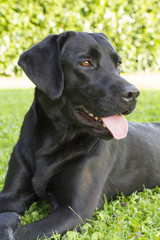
132 27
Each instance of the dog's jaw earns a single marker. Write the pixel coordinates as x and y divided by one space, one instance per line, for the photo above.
105 127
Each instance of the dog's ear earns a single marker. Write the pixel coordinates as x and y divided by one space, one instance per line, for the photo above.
42 65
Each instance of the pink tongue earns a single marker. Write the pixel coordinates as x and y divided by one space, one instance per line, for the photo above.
117 125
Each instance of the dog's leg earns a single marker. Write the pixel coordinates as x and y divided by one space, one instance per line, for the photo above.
16 203
17 193
61 220
74 195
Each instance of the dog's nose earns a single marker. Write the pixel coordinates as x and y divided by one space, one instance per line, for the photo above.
130 93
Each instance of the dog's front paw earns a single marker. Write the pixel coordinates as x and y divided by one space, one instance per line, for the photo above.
9 222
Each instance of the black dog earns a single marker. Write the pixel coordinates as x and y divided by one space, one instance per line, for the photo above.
68 151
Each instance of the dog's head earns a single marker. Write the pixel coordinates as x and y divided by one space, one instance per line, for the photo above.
84 69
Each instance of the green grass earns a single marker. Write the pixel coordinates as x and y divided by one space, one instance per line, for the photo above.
134 217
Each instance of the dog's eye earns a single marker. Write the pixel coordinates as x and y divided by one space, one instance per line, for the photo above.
86 63
118 65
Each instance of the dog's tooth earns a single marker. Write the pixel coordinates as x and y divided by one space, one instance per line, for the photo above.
91 115
104 125
96 118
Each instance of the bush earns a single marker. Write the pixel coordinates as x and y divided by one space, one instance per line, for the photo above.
132 28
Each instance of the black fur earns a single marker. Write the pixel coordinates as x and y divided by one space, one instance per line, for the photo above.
65 158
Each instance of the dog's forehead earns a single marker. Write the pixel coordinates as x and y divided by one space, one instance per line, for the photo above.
83 42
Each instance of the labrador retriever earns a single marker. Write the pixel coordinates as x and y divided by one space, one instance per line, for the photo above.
75 144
